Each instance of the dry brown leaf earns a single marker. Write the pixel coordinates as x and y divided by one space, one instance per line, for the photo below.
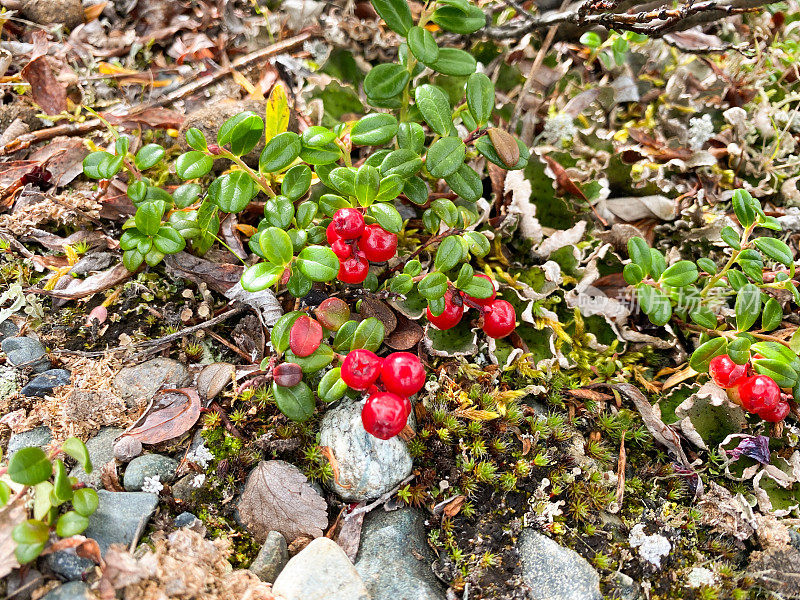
109 477
10 515
406 335
47 91
171 413
63 159
371 307
453 507
564 184
213 379
73 288
349 538
278 497
218 277
83 546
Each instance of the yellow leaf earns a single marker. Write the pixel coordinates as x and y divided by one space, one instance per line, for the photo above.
475 414
72 256
277 117
243 81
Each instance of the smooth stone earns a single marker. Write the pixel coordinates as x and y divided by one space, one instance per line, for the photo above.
37 437
320 571
368 467
141 382
46 382
183 488
272 558
8 329
120 518
185 519
394 559
21 588
148 465
127 448
68 566
26 352
101 452
554 572
73 590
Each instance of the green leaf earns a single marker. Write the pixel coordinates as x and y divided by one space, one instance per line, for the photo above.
396 14
233 191
261 276
331 387
317 136
242 131
704 316
330 203
387 217
62 488
747 307
132 259
772 315
279 211
783 374
319 359
71 523
148 156
401 284
367 183
75 448
193 164
445 156
85 501
280 152
478 287
639 251
778 352
276 245
369 335
591 39
433 103
486 148
730 237
148 217
321 156
404 163
466 183
452 61
296 182
299 285
26 553
208 223
708 265
446 210
632 273
422 45
196 139
306 212
318 263
296 402
102 165
463 22
5 493
742 203
386 80
449 254
434 285
775 249
681 274
390 188
480 97
279 336
703 355
416 190
343 179
30 532
739 350
374 129
186 194
411 136
478 243
658 264
344 337
29 466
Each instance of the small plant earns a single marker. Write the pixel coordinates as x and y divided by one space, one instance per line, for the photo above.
693 294
45 475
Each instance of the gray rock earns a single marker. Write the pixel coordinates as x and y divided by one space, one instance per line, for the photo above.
101 451
183 488
554 572
368 467
394 559
185 519
92 263
8 329
625 588
120 518
141 382
321 571
73 590
127 448
46 382
21 588
26 352
38 436
149 465
272 557
68 566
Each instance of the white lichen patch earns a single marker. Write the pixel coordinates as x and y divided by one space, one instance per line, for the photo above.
652 548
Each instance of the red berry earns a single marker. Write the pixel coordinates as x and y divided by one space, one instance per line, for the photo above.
353 270
407 405
341 248
499 320
348 223
360 369
330 233
378 244
759 392
725 372
776 414
384 415
403 373
451 315
484 301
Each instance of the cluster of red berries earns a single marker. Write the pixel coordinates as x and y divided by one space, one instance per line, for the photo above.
401 375
357 244
498 318
758 394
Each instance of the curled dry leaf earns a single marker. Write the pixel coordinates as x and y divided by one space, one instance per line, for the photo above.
10 515
81 545
371 307
171 413
213 379
74 289
406 334
218 277
349 537
278 497
47 91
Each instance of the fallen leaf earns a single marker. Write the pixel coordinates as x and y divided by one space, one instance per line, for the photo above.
171 413
47 91
63 158
218 277
80 545
278 497
10 515
453 507
73 288
372 307
264 302
214 378
564 184
349 537
406 334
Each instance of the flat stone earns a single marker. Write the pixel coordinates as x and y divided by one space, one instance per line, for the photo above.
21 588
185 519
68 566
368 467
183 488
8 329
141 382
36 437
26 352
320 571
120 518
101 452
394 559
148 465
554 572
46 382
73 590
272 557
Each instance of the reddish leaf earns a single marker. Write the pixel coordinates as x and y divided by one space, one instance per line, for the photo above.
332 313
170 414
46 90
305 336
287 374
563 181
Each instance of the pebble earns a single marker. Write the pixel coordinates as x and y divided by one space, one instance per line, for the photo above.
394 559
8 329
321 571
46 382
368 467
21 588
127 448
141 382
26 352
72 590
54 12
554 572
148 465
185 519
183 488
101 452
38 436
272 557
